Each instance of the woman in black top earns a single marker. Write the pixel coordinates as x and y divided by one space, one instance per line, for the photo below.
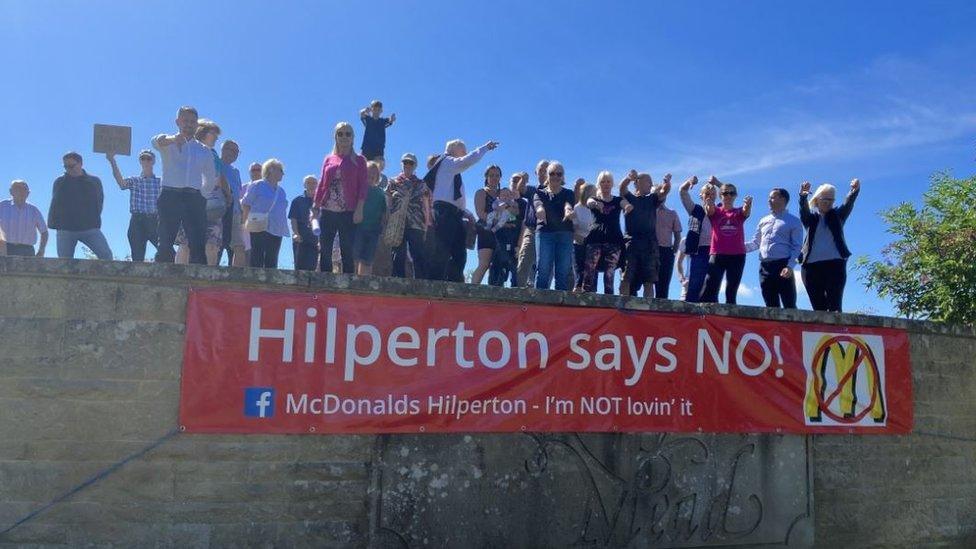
606 239
554 230
823 256
484 200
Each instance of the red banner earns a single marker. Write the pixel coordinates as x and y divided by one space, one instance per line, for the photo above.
268 362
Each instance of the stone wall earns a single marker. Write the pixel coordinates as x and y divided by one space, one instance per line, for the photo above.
89 386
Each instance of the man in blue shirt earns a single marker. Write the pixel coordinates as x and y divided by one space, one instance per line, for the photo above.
779 237
232 238
305 243
374 138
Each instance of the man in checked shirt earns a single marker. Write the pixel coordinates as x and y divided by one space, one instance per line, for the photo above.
143 194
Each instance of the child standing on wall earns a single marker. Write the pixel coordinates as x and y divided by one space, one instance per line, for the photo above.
374 214
374 138
504 221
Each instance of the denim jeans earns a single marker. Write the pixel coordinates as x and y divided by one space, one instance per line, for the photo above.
93 238
142 230
554 253
696 274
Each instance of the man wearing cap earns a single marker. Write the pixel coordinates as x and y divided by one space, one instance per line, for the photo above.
143 193
20 222
406 190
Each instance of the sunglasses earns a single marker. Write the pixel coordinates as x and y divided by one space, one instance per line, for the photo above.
409 162
557 174
343 134
728 193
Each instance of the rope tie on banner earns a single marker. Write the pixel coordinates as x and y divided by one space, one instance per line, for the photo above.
91 480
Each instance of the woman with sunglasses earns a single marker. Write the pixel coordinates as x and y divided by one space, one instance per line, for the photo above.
824 253
554 230
340 197
728 248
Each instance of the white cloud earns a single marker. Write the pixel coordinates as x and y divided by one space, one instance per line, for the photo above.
745 291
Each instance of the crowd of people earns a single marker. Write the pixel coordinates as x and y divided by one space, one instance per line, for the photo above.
351 218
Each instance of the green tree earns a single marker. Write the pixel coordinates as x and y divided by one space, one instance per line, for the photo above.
930 270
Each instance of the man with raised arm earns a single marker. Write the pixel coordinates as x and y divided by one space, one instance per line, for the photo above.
640 220
143 194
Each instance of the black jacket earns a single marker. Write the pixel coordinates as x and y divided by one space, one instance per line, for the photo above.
835 220
76 203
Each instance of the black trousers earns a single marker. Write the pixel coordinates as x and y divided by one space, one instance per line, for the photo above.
414 240
306 254
264 250
728 265
332 224
186 208
143 229
23 250
776 290
449 253
665 270
825 281
225 235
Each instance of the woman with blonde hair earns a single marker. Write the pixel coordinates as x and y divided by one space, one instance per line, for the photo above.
554 230
728 249
340 197
823 257
606 241
582 224
264 209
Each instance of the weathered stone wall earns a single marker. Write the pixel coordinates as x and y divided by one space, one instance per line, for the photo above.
89 385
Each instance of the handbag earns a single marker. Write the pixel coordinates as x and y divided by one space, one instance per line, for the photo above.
258 221
397 222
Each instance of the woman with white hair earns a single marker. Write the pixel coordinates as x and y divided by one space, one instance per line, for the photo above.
605 241
824 253
340 197
449 252
264 209
554 230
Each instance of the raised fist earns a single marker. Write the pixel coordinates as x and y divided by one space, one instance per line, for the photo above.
805 188
855 184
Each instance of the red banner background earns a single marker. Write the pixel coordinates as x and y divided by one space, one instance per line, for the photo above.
371 364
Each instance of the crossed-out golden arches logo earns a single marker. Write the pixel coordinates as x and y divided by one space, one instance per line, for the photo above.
845 380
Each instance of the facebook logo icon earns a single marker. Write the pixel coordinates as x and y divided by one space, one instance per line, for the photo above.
259 402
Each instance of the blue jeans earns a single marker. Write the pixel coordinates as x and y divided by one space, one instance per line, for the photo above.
696 274
93 238
555 253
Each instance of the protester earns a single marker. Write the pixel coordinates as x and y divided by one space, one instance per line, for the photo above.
339 199
605 241
383 258
680 261
254 170
527 252
484 199
640 220
554 230
728 249
232 232
668 231
824 252
506 221
76 210
779 237
698 240
582 224
20 223
447 190
189 174
305 243
408 191
374 214
264 208
143 195
374 136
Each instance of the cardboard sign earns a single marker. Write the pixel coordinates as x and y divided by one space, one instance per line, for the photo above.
273 362
113 139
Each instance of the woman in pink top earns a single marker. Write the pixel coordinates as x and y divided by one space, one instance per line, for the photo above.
339 198
728 253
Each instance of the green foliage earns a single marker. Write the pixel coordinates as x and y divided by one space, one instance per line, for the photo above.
930 270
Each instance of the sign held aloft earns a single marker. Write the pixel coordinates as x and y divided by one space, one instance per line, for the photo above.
113 139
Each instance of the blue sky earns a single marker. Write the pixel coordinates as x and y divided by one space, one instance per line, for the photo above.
761 94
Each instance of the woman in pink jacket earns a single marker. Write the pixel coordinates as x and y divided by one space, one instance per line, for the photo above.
339 198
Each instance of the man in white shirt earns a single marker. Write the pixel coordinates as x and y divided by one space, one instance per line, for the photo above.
447 190
189 174
20 223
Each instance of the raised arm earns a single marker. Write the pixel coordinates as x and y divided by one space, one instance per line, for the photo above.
805 216
746 208
685 193
115 171
844 211
664 188
458 165
626 181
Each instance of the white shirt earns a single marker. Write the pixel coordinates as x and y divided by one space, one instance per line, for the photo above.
190 165
20 224
451 166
